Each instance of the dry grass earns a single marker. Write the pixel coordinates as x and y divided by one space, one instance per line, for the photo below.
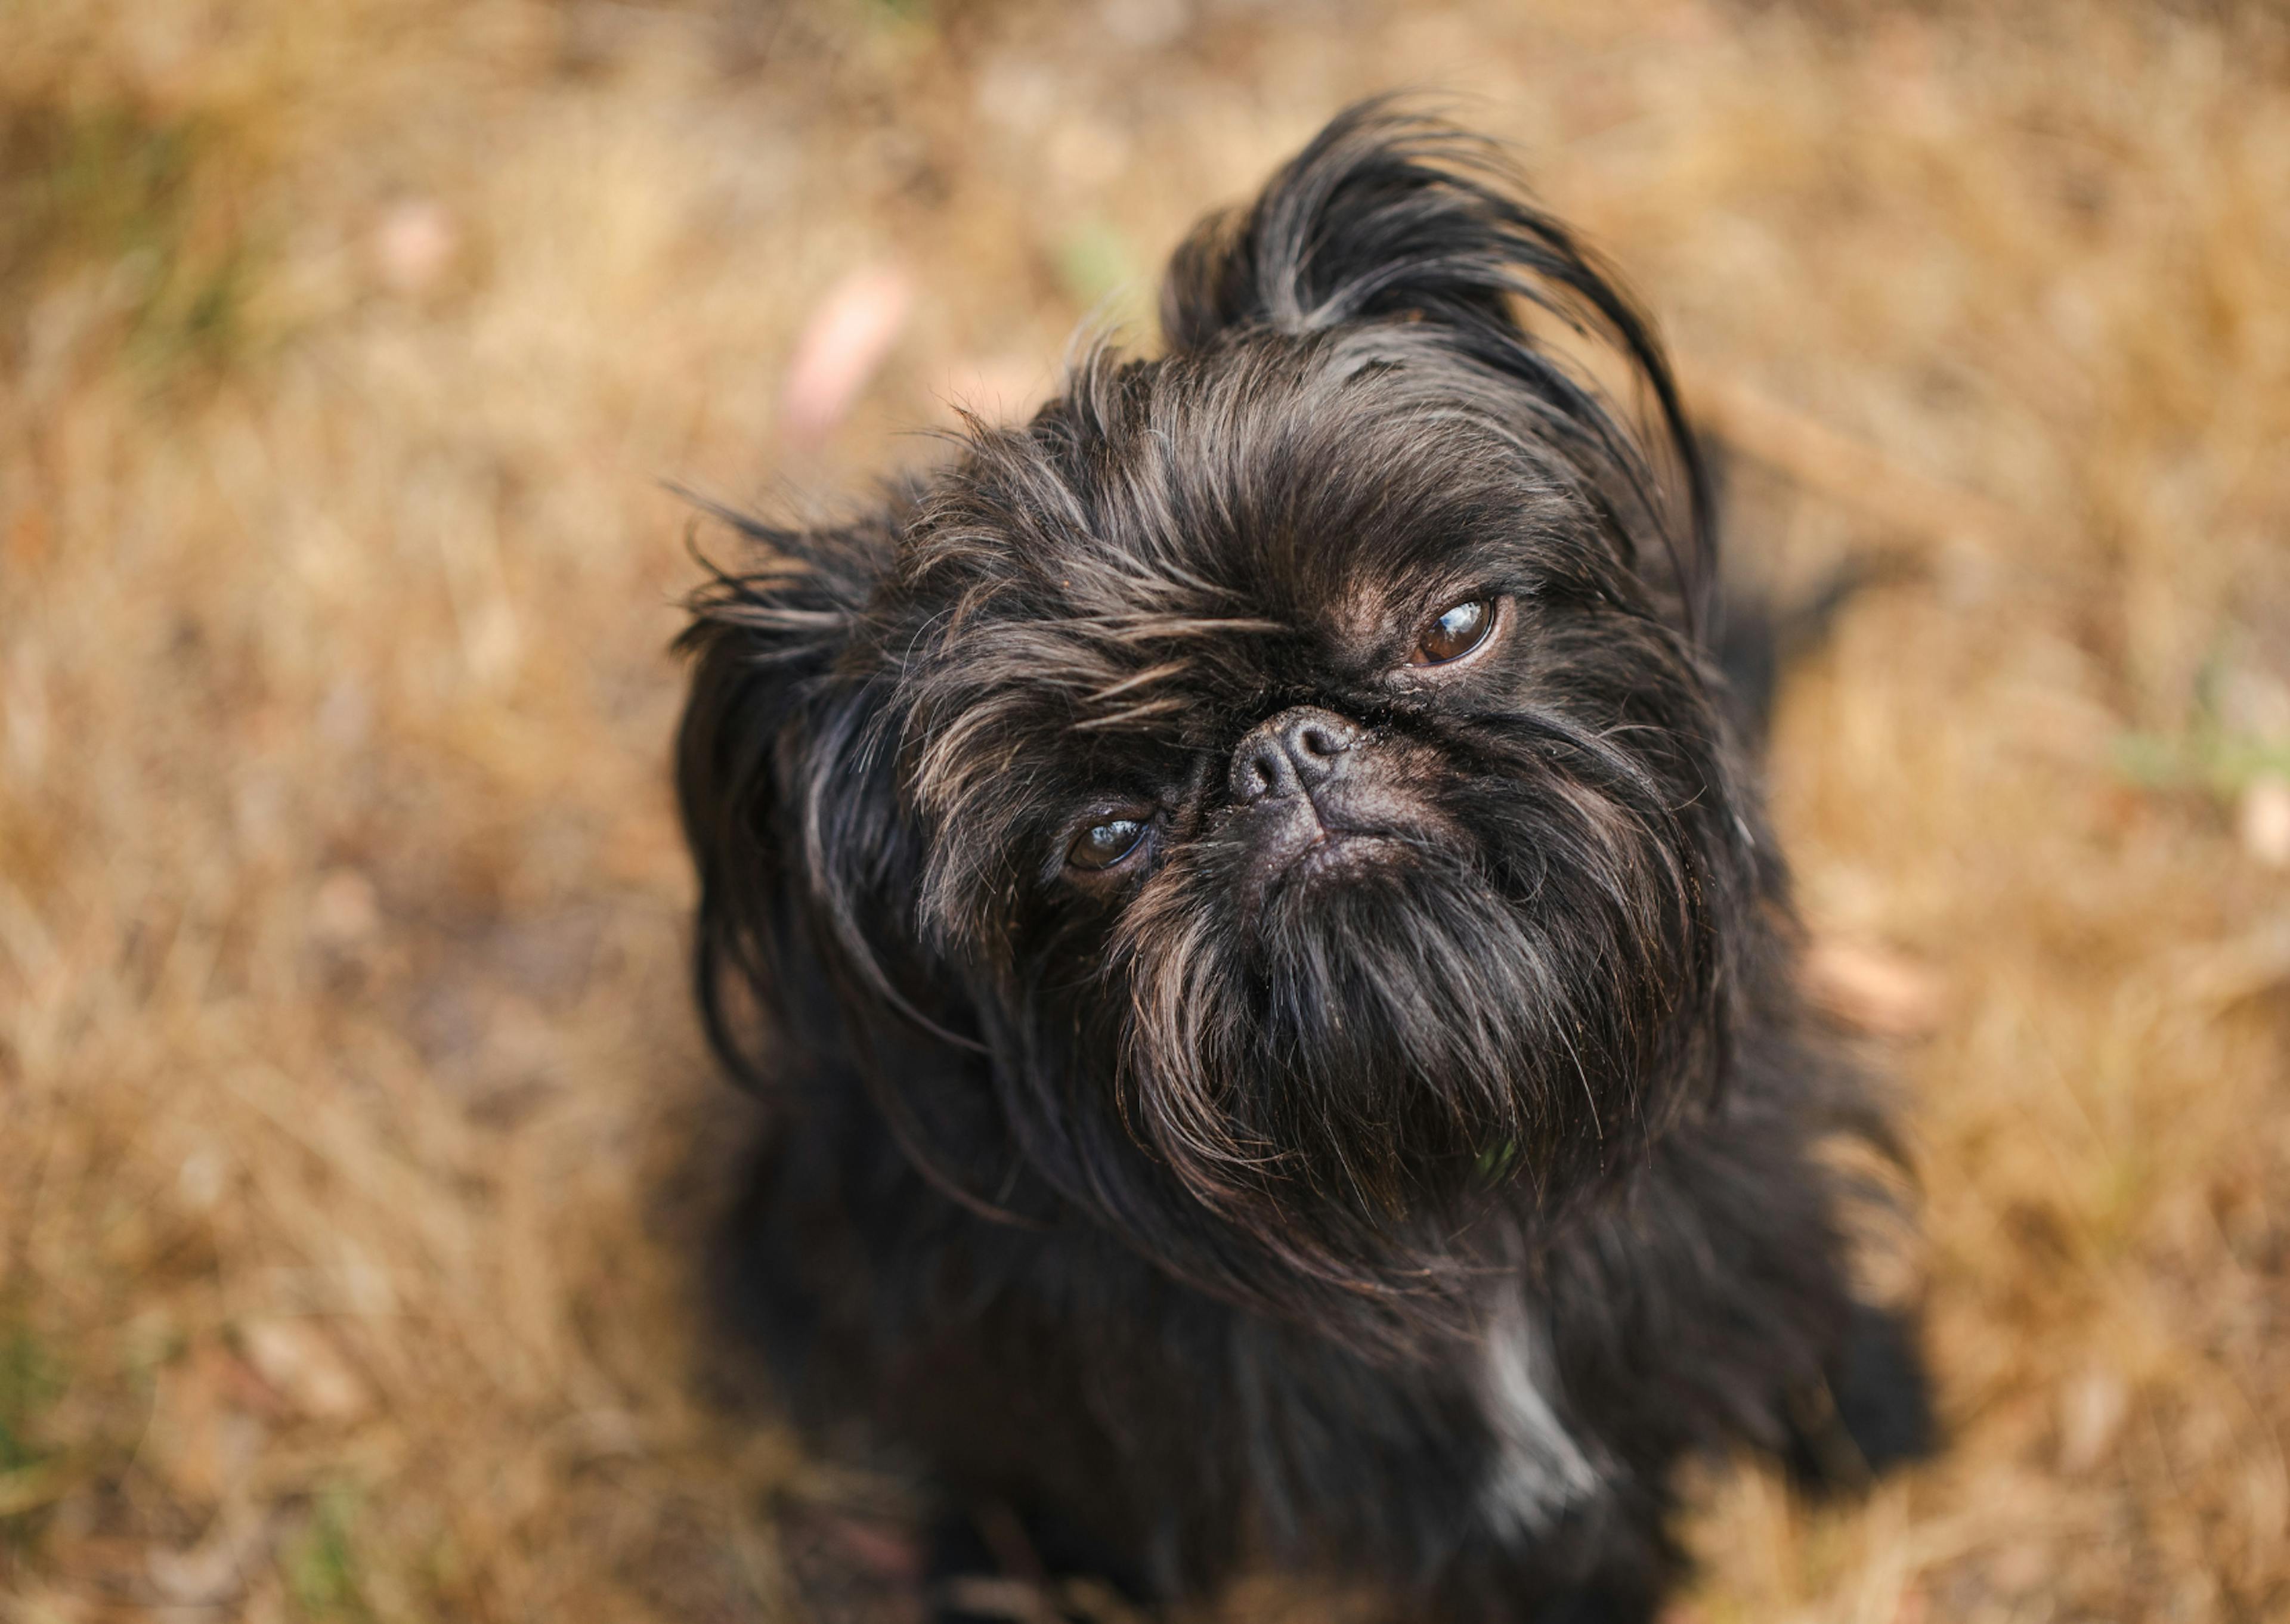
346 1080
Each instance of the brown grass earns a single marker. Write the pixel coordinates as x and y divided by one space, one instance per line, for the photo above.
346 1077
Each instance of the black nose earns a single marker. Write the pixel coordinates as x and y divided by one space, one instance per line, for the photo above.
1292 754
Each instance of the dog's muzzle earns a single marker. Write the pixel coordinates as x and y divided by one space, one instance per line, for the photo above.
1305 788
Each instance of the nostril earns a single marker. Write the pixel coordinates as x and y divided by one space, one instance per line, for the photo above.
1312 744
1260 772
1315 738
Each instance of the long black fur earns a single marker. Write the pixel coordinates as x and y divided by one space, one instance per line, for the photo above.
1406 1217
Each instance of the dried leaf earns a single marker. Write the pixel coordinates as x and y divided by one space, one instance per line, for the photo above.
2263 821
1880 991
843 343
211 1571
295 1356
414 243
2092 1412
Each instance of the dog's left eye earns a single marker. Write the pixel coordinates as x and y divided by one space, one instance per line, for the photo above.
1460 628
1103 845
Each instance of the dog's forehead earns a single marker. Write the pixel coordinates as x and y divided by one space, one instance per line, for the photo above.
1314 483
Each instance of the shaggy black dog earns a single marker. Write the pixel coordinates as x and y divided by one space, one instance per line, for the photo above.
1249 896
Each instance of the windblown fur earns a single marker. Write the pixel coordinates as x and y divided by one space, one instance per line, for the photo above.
1400 1156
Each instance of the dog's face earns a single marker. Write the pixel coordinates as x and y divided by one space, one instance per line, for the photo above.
1288 762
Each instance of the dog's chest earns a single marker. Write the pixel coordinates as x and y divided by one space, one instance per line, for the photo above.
1538 1467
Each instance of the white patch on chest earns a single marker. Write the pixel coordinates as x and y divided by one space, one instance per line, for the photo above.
1539 1469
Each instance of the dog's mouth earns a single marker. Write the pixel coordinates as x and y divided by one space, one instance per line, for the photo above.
1338 853
1328 859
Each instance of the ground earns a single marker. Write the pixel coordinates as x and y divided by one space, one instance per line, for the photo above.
353 1126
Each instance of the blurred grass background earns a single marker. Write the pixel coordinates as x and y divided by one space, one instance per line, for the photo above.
349 1097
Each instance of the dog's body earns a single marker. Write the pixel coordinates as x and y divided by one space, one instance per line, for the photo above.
1265 938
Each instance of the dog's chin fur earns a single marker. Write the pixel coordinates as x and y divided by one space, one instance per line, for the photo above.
1405 1152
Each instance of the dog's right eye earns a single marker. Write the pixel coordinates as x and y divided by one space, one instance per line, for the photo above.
1103 845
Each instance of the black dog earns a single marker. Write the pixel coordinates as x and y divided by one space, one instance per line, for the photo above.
1250 896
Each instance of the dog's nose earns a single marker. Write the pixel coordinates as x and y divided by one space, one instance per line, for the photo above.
1292 754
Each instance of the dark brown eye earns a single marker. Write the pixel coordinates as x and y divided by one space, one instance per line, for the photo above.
1455 633
1103 845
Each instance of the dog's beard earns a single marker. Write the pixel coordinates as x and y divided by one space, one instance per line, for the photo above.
1491 1004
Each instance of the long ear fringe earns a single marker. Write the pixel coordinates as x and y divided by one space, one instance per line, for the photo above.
788 812
1390 214
759 639
794 827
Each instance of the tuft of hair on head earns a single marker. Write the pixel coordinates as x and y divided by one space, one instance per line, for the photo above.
1395 215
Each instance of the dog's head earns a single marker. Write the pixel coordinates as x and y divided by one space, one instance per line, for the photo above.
1286 769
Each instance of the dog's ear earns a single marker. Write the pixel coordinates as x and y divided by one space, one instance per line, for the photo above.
788 792
1392 216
